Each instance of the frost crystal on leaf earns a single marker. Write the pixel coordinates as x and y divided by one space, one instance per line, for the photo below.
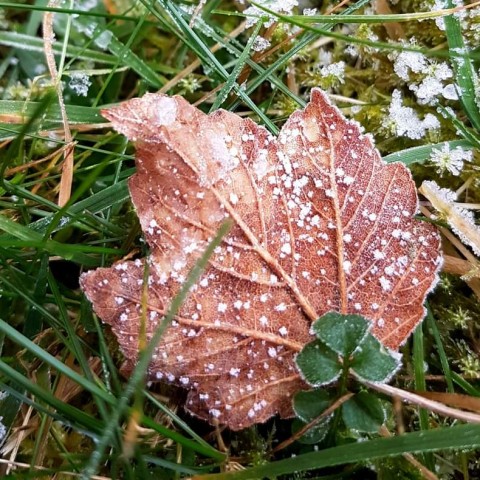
451 160
80 83
278 6
321 223
404 121
334 71
260 44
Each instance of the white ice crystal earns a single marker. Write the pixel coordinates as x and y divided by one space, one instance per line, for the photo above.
80 83
426 77
451 160
278 6
404 121
336 70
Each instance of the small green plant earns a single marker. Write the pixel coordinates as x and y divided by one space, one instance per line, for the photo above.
344 347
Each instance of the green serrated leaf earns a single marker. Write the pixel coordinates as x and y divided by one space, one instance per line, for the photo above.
313 435
342 333
373 362
310 404
364 413
318 364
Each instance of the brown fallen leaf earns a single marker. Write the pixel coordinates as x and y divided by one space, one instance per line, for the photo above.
321 223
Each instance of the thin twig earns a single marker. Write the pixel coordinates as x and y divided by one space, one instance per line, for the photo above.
311 424
432 405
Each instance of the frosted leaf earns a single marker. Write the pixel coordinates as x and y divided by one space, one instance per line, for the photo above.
299 247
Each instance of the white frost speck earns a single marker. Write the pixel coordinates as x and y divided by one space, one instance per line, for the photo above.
385 284
166 109
80 83
215 412
280 307
347 266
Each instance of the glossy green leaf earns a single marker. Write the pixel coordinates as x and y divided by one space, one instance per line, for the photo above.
314 434
363 412
310 404
318 364
342 333
373 362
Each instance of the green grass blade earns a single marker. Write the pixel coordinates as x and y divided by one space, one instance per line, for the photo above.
456 437
240 63
367 19
469 135
35 44
432 325
126 57
75 253
465 74
77 114
46 357
73 11
420 383
422 154
464 385
96 203
200 445
69 414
